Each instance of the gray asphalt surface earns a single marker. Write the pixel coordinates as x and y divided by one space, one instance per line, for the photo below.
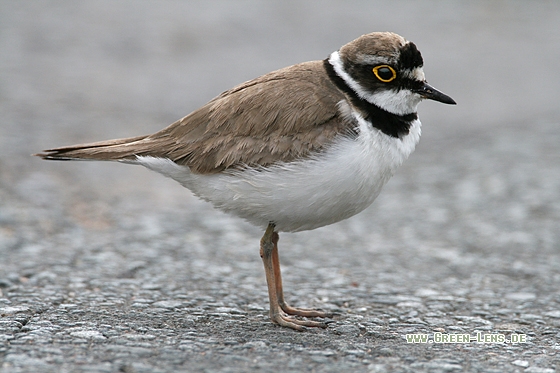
112 268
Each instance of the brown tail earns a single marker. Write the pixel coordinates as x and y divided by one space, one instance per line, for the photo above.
110 150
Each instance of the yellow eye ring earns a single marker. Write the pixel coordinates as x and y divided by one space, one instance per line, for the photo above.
385 73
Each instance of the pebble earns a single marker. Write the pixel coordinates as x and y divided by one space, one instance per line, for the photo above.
5 283
521 296
169 304
347 329
555 314
377 368
13 310
88 334
10 326
539 370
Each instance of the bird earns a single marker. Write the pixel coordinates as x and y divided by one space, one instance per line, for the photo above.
295 149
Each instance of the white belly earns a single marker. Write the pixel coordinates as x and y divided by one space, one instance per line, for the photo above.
334 185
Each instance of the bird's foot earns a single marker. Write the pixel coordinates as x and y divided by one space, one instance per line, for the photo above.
305 312
283 316
283 319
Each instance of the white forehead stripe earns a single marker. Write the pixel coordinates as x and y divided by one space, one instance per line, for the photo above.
415 74
399 102
373 60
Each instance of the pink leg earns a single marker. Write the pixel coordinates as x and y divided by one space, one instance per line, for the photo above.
279 309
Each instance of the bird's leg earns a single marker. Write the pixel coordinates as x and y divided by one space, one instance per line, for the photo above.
279 310
280 293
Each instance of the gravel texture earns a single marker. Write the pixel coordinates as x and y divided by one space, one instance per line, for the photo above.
111 268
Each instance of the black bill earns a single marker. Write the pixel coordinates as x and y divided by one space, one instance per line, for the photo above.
429 92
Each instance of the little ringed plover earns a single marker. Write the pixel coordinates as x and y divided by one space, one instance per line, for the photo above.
295 149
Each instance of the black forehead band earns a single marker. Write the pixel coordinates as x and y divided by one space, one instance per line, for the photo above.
410 57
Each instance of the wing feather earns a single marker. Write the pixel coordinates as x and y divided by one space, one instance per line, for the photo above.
278 117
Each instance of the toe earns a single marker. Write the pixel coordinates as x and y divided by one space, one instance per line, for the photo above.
291 322
305 312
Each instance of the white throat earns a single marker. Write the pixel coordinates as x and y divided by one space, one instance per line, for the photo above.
399 102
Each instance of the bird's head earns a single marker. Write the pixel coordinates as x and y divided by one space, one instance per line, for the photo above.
386 70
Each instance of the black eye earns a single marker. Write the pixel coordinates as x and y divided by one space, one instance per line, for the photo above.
385 73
